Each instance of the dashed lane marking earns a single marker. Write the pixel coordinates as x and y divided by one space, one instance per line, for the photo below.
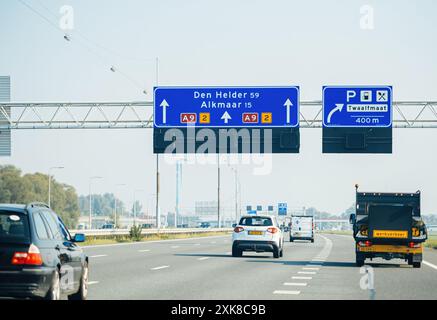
99 256
286 292
159 268
203 258
301 278
306 272
297 284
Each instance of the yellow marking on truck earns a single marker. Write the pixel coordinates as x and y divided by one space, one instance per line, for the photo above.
382 248
392 234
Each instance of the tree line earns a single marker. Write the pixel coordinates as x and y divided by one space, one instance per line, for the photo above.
22 189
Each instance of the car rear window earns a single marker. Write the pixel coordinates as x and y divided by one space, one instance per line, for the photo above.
14 227
256 221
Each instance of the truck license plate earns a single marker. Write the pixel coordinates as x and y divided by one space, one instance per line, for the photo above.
392 234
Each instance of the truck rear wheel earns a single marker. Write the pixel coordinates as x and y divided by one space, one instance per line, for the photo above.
359 260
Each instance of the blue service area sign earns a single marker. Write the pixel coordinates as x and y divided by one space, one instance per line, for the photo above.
262 107
282 209
349 106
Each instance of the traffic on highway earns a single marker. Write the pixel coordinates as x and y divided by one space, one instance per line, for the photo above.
218 159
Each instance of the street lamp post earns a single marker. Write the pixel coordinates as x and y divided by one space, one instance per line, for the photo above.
237 183
91 201
50 182
115 204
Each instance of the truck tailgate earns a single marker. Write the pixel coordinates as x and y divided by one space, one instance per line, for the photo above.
390 221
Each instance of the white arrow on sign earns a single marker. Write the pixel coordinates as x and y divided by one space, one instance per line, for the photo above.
288 104
226 117
164 106
338 107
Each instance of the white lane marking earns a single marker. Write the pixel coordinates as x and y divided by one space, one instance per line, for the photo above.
310 268
301 278
90 283
229 252
213 242
174 247
286 292
203 258
429 264
144 250
197 244
298 284
159 268
99 256
154 241
306 272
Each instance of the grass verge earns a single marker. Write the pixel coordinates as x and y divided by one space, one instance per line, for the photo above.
100 240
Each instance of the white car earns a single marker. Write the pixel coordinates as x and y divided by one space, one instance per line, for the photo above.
302 228
259 234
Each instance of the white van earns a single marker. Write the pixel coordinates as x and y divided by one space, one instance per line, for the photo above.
302 228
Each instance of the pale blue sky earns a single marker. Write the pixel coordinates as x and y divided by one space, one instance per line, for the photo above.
245 42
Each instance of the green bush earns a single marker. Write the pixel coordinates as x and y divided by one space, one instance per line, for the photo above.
135 233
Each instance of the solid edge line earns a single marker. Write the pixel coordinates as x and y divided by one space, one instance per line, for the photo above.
429 264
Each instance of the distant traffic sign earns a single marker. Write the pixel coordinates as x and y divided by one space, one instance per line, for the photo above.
348 106
282 209
263 107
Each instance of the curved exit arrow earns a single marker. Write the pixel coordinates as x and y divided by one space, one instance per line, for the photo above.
339 107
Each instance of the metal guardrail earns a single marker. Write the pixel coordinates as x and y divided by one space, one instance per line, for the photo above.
124 232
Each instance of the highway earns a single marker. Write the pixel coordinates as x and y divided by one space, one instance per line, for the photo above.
203 268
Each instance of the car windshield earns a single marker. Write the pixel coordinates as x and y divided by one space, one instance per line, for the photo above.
256 221
14 227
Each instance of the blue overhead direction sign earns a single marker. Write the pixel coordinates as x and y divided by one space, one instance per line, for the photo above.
282 209
357 106
233 107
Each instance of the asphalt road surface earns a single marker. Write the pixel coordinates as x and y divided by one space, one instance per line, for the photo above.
203 268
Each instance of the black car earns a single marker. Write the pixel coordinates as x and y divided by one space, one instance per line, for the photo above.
38 257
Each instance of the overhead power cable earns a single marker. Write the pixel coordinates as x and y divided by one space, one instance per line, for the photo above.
103 60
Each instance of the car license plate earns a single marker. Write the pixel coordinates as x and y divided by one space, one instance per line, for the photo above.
392 234
255 233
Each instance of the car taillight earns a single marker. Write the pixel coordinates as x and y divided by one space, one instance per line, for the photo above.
31 257
238 229
272 230
414 245
365 243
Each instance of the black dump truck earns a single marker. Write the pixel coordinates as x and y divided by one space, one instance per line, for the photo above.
389 226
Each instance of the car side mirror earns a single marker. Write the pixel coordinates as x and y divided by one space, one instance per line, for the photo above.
234 225
79 237
352 218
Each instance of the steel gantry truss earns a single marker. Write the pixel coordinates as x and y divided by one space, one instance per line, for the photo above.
136 115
